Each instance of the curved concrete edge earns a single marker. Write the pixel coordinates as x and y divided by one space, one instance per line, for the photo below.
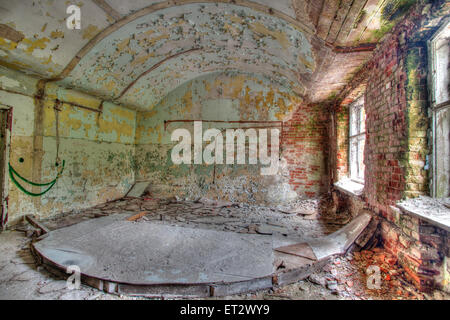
340 241
295 269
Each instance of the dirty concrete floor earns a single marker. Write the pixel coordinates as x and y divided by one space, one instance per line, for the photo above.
342 278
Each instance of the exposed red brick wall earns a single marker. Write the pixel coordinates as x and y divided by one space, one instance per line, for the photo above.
421 249
396 146
304 141
396 104
386 127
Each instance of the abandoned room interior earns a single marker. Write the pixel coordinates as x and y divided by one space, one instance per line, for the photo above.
247 149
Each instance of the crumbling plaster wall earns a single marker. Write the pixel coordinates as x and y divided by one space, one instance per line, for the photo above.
232 96
98 147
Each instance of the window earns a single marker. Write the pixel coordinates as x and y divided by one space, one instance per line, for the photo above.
357 140
440 106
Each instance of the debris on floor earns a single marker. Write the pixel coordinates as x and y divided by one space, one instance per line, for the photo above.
138 189
20 278
342 278
212 214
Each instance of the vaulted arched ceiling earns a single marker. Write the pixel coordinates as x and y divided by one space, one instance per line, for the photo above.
192 39
136 52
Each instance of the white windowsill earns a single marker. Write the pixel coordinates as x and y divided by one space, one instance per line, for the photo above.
350 187
434 211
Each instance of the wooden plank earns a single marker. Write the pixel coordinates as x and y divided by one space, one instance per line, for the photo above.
137 216
315 8
339 19
360 48
252 285
370 9
37 224
350 22
327 17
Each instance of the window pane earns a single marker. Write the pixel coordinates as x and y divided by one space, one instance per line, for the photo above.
353 121
362 117
361 145
442 66
357 142
441 63
354 158
442 132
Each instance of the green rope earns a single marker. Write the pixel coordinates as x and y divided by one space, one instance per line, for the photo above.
13 172
28 181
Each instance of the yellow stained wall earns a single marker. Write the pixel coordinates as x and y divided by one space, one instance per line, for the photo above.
227 96
98 148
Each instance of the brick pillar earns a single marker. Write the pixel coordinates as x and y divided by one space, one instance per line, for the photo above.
416 66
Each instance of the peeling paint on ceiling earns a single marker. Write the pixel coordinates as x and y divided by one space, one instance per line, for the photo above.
136 52
228 36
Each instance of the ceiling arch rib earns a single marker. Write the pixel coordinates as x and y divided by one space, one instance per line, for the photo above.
174 70
230 35
149 90
153 68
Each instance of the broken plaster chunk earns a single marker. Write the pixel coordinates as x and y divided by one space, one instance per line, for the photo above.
269 230
25 276
305 212
332 285
53 286
317 279
74 295
298 211
214 203
214 220
138 189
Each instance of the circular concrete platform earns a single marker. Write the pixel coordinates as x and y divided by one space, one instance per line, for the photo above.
159 260
146 255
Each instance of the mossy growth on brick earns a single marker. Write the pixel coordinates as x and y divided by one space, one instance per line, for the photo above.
343 114
417 123
391 13
395 9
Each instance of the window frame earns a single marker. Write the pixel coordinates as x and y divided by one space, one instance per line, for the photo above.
358 137
435 108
